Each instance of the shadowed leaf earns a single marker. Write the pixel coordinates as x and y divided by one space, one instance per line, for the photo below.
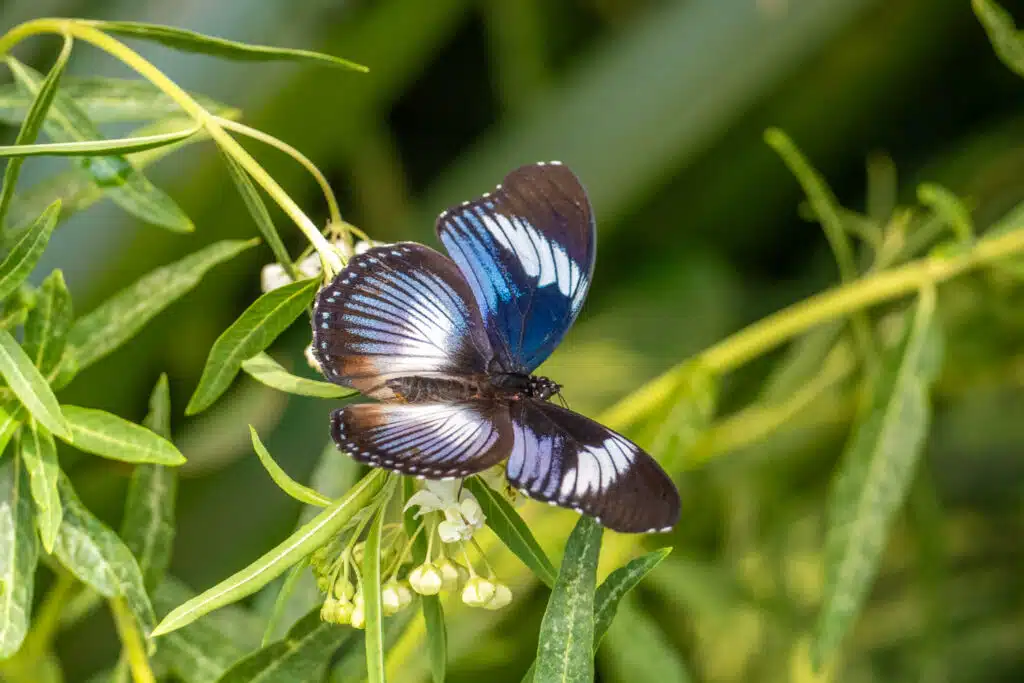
39 453
19 554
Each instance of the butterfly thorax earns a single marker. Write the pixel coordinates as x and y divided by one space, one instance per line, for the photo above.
508 387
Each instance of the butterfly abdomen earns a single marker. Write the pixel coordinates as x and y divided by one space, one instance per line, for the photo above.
417 389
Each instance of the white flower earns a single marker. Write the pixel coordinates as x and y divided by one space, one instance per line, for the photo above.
273 276
310 266
426 579
365 245
462 513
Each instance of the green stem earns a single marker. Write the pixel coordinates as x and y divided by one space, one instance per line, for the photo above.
48 618
132 644
767 333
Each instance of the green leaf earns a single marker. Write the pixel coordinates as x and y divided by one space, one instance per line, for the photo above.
109 436
39 453
266 370
29 131
107 100
433 611
121 181
875 473
617 585
11 416
258 211
18 556
47 325
190 41
949 208
638 650
148 524
302 655
301 493
25 253
281 601
96 147
371 600
255 330
508 526
1007 41
122 316
91 551
278 560
566 649
684 418
30 387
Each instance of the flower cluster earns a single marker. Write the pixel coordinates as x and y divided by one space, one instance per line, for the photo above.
449 516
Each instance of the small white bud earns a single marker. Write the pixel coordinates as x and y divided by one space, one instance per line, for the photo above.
273 276
390 600
343 613
365 245
478 592
329 611
426 579
502 597
404 594
451 574
343 589
358 616
310 266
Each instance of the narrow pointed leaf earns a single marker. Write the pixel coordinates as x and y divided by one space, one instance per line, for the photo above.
254 331
1007 41
308 538
372 602
109 436
875 474
299 492
19 554
148 525
508 526
566 650
12 414
121 181
266 370
30 387
23 256
302 655
190 41
39 453
122 316
91 551
685 416
41 102
47 325
84 148
638 650
618 584
106 100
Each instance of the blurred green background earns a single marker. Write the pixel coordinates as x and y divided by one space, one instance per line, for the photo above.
659 107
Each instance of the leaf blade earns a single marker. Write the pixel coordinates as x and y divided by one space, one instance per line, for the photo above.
298 491
1006 40
301 656
96 147
19 555
109 436
30 387
268 371
47 325
25 253
252 332
39 453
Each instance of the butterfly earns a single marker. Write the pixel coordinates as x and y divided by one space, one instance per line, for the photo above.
448 345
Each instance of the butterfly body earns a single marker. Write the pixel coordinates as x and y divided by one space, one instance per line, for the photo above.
448 347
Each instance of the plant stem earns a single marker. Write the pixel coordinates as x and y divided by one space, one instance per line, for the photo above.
767 333
48 618
132 643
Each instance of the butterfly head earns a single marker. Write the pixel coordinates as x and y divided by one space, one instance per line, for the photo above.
542 387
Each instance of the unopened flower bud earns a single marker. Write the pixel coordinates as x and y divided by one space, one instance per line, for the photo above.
323 583
502 597
343 589
328 612
390 600
357 554
451 574
358 616
310 266
426 579
404 594
343 613
273 276
477 592
319 557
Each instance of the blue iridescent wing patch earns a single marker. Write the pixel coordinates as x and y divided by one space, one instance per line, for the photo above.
402 310
527 251
563 458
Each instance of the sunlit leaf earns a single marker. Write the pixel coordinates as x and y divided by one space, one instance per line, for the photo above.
41 102
565 652
302 655
299 492
1007 41
684 417
106 100
266 370
11 416
19 554
120 317
148 524
109 436
190 41
374 629
96 147
637 649
255 330
30 387
508 526
91 551
23 256
47 325
949 208
278 560
39 453
121 181
617 585
875 473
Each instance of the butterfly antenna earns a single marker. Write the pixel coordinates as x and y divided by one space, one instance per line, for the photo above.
561 399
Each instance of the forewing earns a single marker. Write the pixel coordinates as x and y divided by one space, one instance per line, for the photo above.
527 250
397 311
563 458
432 440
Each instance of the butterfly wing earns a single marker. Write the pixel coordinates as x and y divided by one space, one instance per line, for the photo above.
433 440
396 311
527 251
563 458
